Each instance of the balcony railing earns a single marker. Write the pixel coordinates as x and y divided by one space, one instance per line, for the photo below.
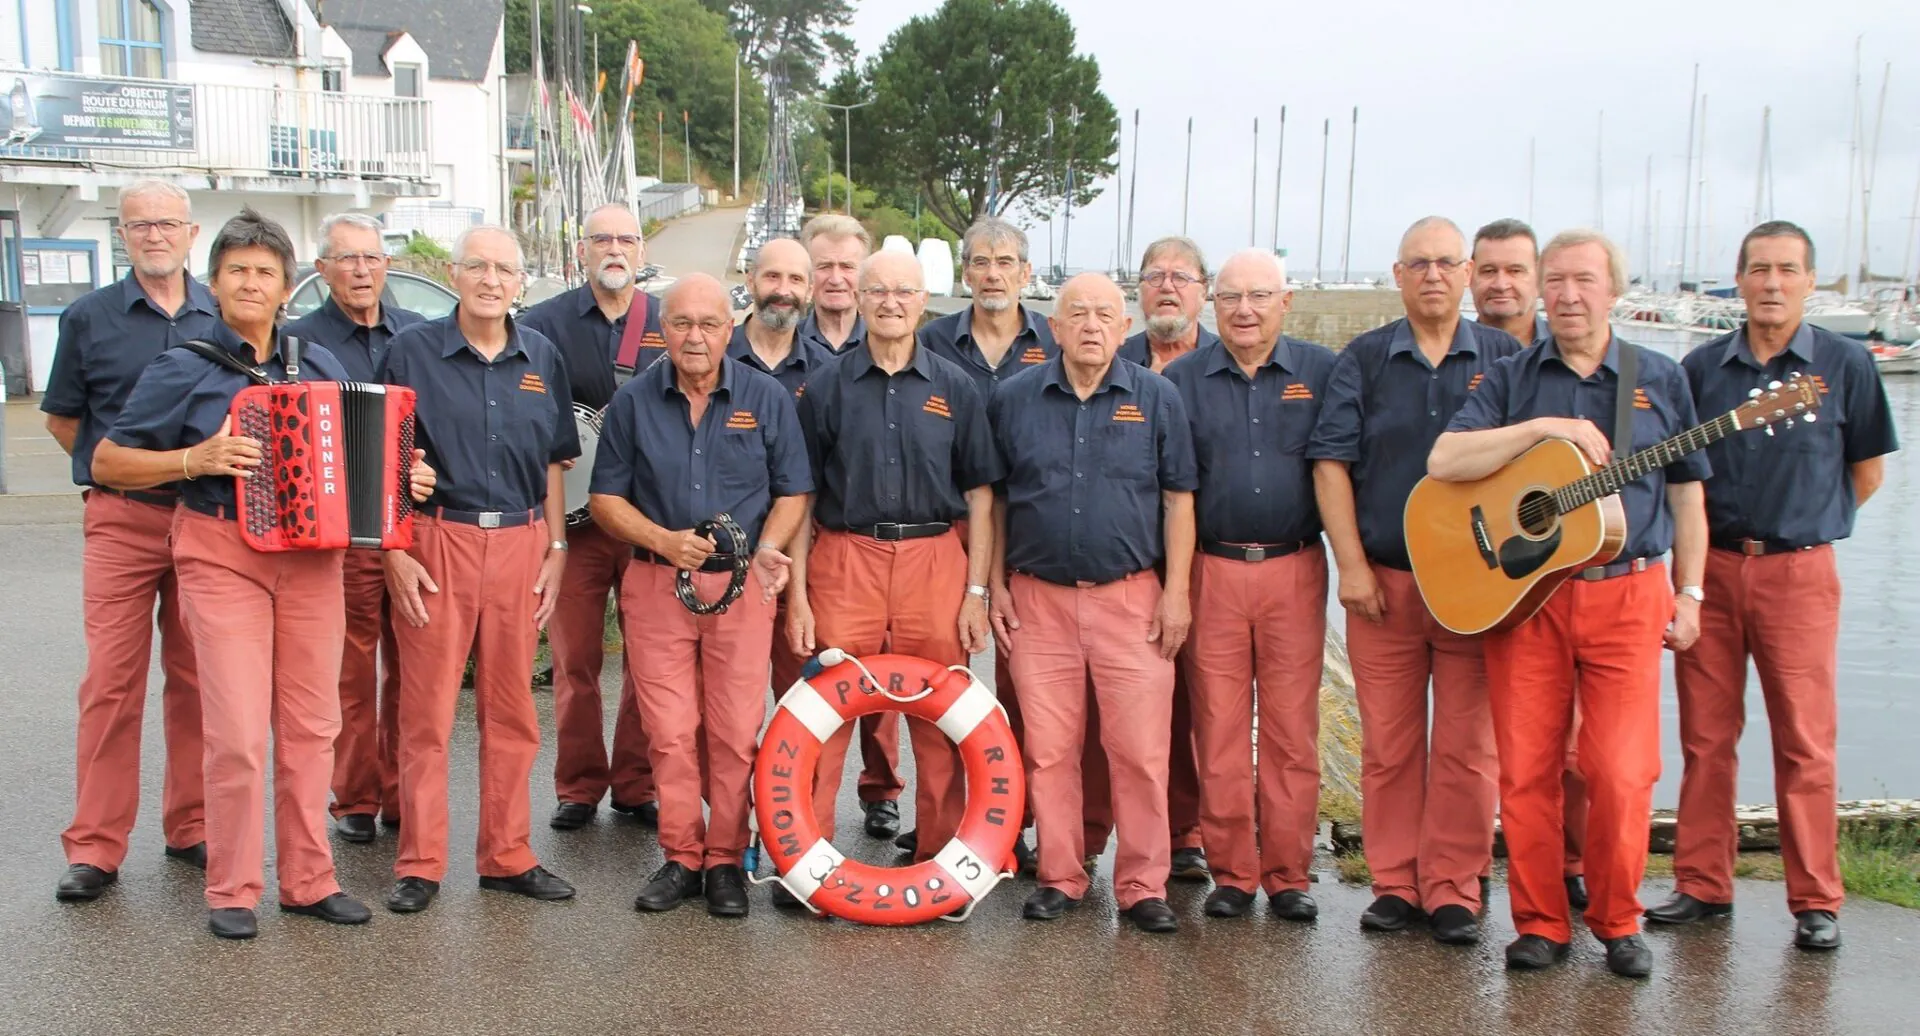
231 130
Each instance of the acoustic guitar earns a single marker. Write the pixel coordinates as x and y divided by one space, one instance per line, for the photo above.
1487 554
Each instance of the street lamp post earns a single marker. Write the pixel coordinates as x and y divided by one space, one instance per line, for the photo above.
1066 224
846 168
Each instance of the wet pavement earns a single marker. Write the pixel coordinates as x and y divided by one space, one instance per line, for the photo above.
141 961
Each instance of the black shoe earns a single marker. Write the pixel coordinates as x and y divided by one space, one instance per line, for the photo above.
572 816
1389 913
338 908
1294 905
1534 953
1816 930
648 813
1153 915
1684 909
1454 925
1576 892
1026 861
536 883
908 842
83 882
389 821
1047 904
194 855
1486 889
354 827
1227 901
233 923
668 886
883 818
726 891
412 895
1629 957
1190 865
784 899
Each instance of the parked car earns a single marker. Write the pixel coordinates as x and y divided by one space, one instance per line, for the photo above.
423 295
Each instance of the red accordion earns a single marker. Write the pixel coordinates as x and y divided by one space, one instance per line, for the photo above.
336 467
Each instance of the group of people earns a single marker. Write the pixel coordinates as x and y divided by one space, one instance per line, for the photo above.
1137 522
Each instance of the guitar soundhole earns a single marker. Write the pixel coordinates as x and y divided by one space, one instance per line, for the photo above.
1536 513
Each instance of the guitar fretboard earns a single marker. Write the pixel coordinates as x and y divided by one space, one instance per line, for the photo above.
1612 478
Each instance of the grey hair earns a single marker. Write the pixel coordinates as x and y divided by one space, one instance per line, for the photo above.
870 263
345 219
1271 260
833 224
1426 222
1507 230
1184 247
1616 259
990 230
460 243
141 188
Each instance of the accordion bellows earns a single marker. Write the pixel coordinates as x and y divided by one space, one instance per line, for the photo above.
336 466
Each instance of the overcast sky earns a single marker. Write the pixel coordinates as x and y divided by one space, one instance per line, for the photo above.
1449 96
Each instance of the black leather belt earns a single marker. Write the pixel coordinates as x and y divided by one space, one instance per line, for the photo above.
714 562
224 512
1252 551
1758 548
141 496
483 519
1614 570
893 531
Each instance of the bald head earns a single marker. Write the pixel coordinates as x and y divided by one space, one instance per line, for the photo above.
698 295
696 319
1250 300
1257 265
782 283
1090 321
891 270
1432 270
892 296
1434 229
779 251
1095 287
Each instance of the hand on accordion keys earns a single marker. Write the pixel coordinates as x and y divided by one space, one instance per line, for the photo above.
223 454
421 478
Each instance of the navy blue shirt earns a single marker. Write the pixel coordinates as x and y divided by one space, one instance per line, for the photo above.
1137 350
1250 437
489 429
107 337
589 342
361 349
1535 382
1796 487
182 399
1384 407
746 452
810 331
904 447
802 360
1084 479
951 337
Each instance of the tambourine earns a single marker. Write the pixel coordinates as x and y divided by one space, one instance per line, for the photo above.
732 550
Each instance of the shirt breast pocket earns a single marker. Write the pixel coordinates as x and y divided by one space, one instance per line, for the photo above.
931 440
741 459
1296 422
1126 452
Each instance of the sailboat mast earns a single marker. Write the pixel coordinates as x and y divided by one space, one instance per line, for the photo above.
1253 194
1686 194
1599 183
1320 235
1867 171
1853 164
1706 222
1346 244
1279 162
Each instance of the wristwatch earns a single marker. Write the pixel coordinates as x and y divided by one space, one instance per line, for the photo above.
557 545
977 590
1691 591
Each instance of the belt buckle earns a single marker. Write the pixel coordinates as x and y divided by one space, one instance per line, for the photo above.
1255 553
881 531
1753 548
488 519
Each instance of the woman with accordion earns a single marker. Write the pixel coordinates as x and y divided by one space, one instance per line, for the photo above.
265 609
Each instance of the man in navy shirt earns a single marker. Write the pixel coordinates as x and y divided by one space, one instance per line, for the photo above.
1602 628
1095 451
483 576
1774 508
1428 789
267 625
591 326
996 337
901 453
107 337
355 327
836 246
769 340
700 435
1260 582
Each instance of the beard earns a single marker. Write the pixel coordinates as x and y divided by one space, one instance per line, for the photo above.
777 312
611 279
993 303
1164 328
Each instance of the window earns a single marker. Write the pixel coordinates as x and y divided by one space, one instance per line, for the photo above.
406 80
64 17
332 78
132 39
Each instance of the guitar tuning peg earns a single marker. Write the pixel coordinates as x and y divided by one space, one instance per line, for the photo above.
1794 376
1769 430
1755 394
1789 422
1773 385
1810 418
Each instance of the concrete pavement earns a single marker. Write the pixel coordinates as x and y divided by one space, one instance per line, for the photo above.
140 960
704 242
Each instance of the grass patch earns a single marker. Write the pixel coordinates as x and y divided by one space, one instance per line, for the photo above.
1337 805
1352 869
1882 863
1754 866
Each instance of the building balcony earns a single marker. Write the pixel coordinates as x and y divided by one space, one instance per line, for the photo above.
245 137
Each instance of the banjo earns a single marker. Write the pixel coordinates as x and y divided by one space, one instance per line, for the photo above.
578 479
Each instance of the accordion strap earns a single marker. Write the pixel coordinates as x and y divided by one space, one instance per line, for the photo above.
221 358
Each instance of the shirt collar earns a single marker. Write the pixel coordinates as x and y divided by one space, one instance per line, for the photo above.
584 302
1550 347
1738 347
669 385
199 299
861 358
338 317
1029 324
1120 375
810 328
1463 341
227 338
452 340
1220 358
740 348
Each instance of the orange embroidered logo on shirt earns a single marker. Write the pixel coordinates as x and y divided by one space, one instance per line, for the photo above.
1819 384
1640 400
1296 391
742 420
1475 383
530 382
1129 413
937 406
1034 354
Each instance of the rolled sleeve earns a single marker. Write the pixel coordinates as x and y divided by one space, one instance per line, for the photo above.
1336 434
66 394
788 471
1486 406
1868 432
1179 468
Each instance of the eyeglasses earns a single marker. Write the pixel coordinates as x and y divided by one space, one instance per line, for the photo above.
140 227
1420 266
1180 278
481 267
1230 300
880 294
708 328
357 259
1004 262
626 240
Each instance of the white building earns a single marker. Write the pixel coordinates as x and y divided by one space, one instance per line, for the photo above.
298 108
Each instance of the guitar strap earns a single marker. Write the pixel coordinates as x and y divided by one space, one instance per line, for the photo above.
1623 400
628 357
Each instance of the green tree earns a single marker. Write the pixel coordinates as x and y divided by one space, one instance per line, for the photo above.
797 36
936 85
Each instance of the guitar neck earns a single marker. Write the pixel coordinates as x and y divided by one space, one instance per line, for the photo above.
1610 479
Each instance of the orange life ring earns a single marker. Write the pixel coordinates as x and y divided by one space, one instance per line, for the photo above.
967 868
